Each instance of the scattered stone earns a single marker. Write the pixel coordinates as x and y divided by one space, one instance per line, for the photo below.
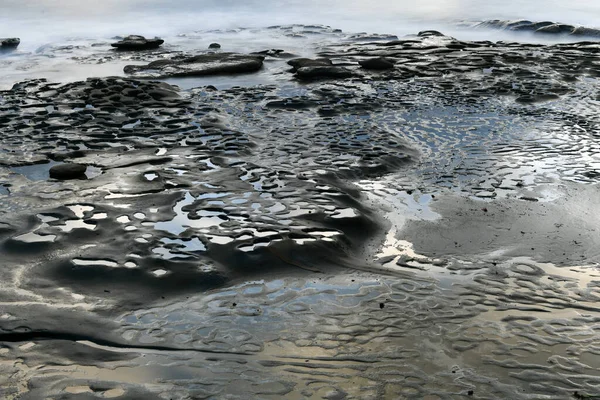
214 46
377 63
201 65
68 171
277 53
136 42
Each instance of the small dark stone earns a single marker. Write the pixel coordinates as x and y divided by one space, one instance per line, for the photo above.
234 304
9 43
381 305
379 63
68 171
470 393
214 46
136 42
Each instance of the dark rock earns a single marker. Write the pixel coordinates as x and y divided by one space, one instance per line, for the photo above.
298 63
214 46
201 65
544 27
556 29
430 33
457 46
136 42
583 31
321 72
514 24
531 27
377 63
9 43
68 171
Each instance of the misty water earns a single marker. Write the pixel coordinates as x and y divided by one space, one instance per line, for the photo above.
56 35
39 22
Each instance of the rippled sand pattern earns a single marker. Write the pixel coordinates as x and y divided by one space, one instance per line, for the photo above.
429 232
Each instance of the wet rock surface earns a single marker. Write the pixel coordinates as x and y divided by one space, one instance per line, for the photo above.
200 65
137 42
241 242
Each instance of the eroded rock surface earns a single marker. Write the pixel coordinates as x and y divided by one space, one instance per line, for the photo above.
424 231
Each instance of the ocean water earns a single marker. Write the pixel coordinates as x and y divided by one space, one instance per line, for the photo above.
39 22
60 37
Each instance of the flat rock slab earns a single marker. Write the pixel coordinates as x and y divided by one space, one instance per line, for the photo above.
68 171
9 43
200 65
136 42
328 72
